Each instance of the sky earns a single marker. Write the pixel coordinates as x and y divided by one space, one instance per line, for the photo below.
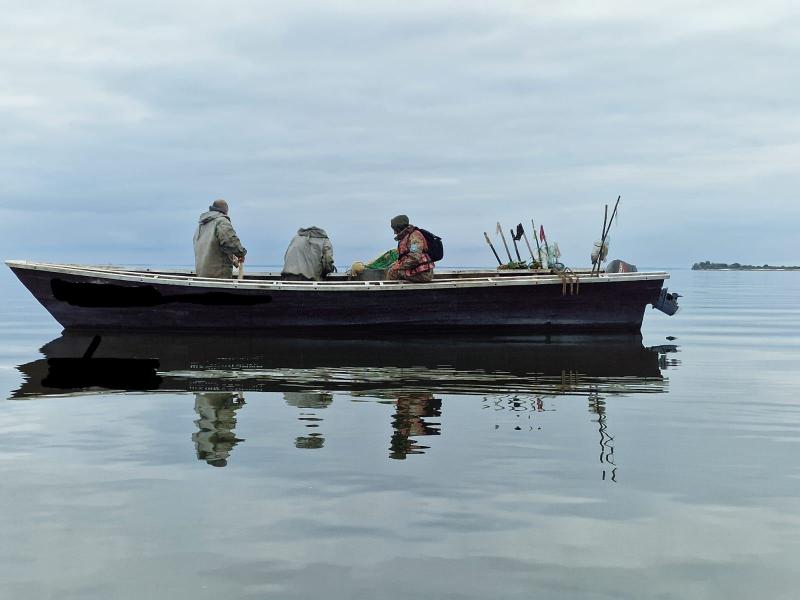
120 122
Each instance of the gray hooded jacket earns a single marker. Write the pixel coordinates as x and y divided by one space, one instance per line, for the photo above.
215 243
310 254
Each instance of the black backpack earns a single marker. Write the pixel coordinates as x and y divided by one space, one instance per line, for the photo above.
435 247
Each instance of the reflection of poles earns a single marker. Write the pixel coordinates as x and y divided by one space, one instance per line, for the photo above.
598 407
309 400
409 422
215 437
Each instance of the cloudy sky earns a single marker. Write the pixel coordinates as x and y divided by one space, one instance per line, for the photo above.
121 121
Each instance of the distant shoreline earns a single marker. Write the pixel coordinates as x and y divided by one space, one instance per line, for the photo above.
709 266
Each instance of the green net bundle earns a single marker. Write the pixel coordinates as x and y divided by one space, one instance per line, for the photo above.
518 265
384 261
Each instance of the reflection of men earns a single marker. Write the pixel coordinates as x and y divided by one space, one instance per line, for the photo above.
308 400
215 438
409 421
217 248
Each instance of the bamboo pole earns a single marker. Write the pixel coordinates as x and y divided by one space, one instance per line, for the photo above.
536 239
503 237
516 249
488 241
527 243
596 263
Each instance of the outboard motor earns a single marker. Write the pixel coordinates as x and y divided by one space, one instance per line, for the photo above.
667 303
620 266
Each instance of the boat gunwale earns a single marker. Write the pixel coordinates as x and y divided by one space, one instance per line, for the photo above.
115 273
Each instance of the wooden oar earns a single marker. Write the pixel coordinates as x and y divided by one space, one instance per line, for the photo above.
488 241
241 270
524 236
503 237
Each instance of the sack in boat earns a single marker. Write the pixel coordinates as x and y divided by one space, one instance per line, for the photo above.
435 247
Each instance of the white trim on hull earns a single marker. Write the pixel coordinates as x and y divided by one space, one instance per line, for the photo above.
474 280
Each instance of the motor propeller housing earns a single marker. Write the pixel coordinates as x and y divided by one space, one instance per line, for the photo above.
667 303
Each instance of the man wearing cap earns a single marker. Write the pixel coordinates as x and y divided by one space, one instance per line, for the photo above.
217 248
413 262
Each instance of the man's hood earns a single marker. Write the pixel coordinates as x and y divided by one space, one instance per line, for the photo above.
312 232
209 216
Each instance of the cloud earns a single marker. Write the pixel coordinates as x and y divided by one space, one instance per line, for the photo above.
460 114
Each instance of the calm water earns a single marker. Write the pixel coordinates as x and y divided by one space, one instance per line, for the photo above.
622 468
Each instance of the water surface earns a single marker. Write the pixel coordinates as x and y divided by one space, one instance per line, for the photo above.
435 468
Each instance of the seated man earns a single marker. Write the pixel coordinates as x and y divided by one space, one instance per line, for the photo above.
217 248
309 256
413 262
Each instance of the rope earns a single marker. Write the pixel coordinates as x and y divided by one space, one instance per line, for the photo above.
571 279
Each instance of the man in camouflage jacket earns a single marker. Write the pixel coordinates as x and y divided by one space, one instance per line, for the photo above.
216 246
413 263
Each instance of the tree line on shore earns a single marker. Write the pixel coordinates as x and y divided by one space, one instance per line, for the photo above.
712 266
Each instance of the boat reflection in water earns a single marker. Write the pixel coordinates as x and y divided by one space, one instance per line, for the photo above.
510 373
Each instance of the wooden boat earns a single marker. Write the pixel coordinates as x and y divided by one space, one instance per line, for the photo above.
114 298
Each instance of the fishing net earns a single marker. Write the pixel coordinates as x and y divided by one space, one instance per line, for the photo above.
384 261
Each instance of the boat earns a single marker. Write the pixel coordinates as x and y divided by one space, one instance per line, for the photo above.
102 298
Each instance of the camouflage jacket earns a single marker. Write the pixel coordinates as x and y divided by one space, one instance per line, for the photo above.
413 251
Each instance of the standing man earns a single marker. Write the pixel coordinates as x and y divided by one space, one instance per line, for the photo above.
309 256
413 262
217 248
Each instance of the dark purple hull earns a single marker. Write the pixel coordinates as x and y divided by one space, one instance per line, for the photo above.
103 302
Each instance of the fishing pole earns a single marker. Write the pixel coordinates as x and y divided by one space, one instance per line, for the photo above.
488 241
546 245
596 263
536 239
521 233
613 214
516 250
605 232
500 231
